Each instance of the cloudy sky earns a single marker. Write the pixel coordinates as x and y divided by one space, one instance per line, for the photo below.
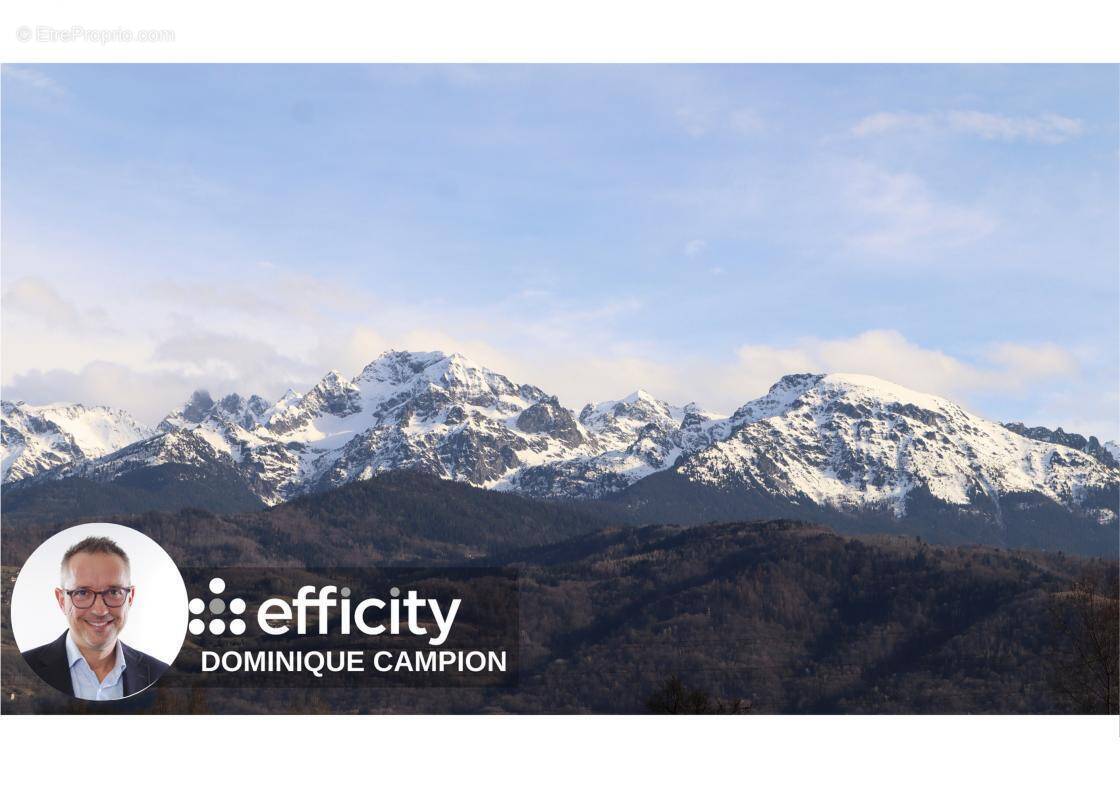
694 231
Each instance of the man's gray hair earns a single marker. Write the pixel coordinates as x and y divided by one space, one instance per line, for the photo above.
96 544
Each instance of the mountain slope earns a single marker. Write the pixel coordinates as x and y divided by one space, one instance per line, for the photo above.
636 436
401 516
789 616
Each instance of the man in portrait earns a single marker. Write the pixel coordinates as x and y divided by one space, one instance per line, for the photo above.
89 661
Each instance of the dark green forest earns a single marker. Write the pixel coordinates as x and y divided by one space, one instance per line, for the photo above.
775 616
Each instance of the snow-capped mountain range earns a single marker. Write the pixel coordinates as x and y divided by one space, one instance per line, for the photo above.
841 441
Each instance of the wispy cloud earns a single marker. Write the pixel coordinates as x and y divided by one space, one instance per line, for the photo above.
898 216
1042 128
147 394
33 78
695 247
38 299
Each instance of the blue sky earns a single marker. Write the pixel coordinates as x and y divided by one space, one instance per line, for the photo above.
695 231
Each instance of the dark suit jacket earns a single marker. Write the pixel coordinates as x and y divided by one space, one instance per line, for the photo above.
51 664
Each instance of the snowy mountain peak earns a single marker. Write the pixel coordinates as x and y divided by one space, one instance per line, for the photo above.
246 412
399 367
640 396
236 404
332 396
201 408
397 370
396 367
199 405
854 441
39 438
853 391
870 386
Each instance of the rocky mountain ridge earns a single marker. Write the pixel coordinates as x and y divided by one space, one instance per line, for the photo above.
848 442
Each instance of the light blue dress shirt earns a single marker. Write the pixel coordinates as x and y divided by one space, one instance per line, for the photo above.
84 679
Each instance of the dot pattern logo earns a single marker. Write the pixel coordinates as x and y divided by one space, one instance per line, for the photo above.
211 615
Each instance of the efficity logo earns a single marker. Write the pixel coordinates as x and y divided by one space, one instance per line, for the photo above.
278 616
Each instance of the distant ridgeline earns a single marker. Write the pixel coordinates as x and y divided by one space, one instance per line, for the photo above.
1107 454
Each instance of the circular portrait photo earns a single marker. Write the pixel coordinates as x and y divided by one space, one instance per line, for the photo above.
99 611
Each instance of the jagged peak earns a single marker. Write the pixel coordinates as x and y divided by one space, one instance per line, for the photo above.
200 396
796 382
420 360
330 385
244 411
401 368
398 366
332 378
197 407
456 364
640 396
697 411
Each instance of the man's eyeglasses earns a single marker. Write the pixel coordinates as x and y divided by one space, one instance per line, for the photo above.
114 596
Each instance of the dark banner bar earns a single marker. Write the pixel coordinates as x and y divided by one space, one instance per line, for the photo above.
328 627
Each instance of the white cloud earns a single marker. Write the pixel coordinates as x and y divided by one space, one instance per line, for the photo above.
38 299
699 119
33 78
890 122
171 343
1029 363
695 247
1077 411
578 370
1002 368
207 353
899 217
147 394
1047 128
1042 128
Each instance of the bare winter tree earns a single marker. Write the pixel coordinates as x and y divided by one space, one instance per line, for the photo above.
673 697
1086 621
